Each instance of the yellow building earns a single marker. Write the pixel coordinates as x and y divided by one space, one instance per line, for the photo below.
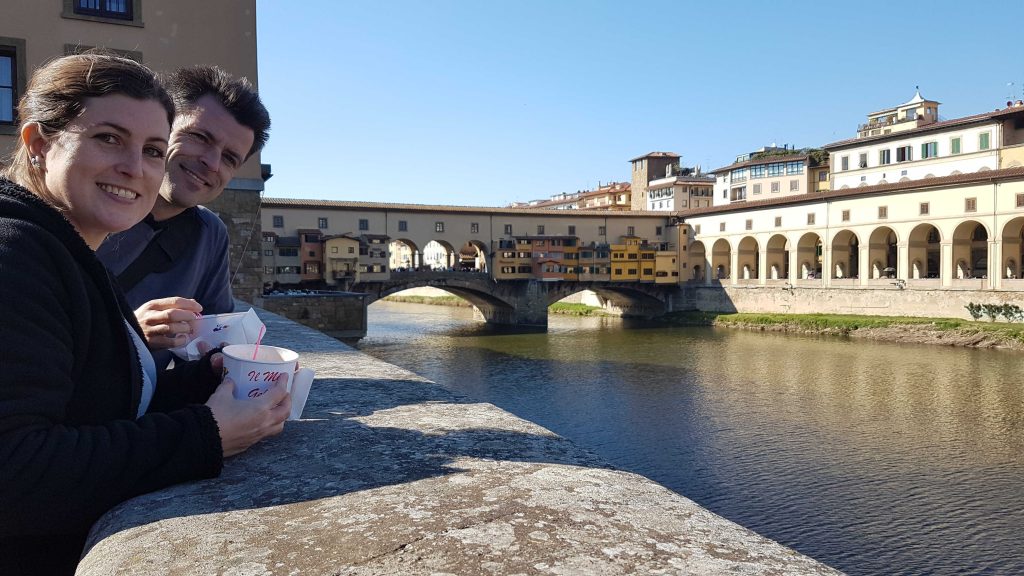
341 259
625 262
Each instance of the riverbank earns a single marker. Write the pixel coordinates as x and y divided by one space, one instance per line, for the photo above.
941 331
563 308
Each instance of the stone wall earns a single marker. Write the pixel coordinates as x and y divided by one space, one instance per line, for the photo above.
888 301
337 315
239 209
388 473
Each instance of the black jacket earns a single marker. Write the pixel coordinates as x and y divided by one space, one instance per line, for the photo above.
70 385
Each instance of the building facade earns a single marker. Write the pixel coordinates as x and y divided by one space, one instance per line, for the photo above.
771 172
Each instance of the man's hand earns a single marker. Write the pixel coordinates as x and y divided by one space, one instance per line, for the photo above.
168 322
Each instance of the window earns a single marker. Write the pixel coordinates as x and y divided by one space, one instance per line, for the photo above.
268 252
884 157
540 229
757 188
312 267
334 249
794 185
758 171
904 154
312 254
403 226
657 230
984 140
794 168
278 221
845 162
287 269
12 80
364 224
863 160
602 231
288 251
883 212
810 219
572 230
923 209
630 231
749 224
438 226
929 150
776 169
778 221
474 227
775 187
268 269
846 216
1020 200
823 176
351 249
113 11
321 223
721 226
971 205
954 145
508 229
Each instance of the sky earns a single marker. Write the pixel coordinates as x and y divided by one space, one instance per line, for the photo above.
486 102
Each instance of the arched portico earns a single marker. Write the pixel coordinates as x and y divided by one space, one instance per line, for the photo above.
845 256
924 254
698 262
808 257
404 254
970 249
777 258
1013 252
883 256
746 262
721 258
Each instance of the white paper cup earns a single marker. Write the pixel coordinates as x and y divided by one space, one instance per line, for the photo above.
254 376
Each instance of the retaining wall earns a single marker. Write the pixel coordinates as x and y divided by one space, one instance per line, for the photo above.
389 473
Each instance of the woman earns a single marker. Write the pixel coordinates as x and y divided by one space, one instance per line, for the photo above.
84 421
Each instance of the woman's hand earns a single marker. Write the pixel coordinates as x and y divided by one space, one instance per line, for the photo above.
243 423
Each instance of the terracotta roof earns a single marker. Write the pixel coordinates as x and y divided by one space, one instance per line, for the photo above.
975 119
763 160
655 155
373 206
939 182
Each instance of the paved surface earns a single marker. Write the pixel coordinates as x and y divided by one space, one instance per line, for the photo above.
391 474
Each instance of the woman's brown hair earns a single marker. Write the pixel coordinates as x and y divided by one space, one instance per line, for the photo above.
57 92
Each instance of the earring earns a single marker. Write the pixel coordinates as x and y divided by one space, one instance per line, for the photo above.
34 161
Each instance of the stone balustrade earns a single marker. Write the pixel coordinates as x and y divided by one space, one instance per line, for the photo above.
389 473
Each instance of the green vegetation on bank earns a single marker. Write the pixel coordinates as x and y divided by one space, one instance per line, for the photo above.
575 309
845 323
435 300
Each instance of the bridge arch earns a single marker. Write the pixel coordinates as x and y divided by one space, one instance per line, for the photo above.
924 252
777 259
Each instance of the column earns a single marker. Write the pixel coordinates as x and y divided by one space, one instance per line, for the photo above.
903 260
946 272
762 266
734 261
826 265
794 272
863 264
995 264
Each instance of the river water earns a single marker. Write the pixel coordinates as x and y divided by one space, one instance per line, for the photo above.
874 458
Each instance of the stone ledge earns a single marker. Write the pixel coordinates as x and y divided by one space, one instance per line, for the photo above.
389 473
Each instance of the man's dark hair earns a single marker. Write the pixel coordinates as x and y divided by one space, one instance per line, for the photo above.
237 95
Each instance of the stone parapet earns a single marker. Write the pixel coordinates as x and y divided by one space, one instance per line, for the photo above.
389 473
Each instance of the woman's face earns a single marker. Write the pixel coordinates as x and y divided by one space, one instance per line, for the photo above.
105 168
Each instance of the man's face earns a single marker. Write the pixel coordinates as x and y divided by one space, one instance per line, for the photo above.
206 148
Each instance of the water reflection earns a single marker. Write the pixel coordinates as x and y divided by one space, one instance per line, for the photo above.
874 458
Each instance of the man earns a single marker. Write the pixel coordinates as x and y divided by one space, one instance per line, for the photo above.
174 264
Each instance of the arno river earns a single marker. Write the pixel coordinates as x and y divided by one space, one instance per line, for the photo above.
874 458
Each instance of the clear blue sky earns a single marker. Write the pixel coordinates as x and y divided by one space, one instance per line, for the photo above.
481 102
